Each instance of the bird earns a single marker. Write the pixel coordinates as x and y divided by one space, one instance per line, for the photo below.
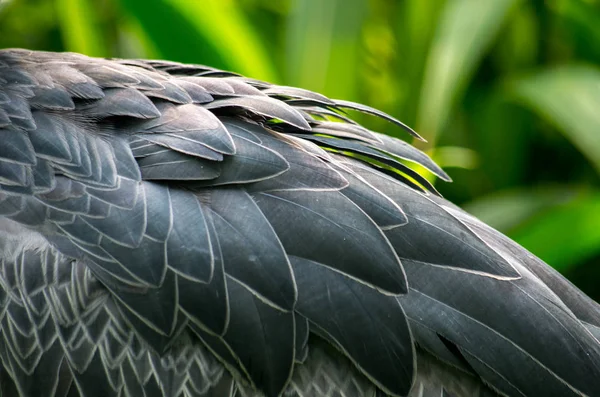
175 230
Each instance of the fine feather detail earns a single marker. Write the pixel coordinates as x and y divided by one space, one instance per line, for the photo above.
176 230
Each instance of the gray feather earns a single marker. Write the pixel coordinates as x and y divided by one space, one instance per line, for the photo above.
189 250
268 257
54 98
252 253
122 102
264 106
349 313
16 147
331 230
171 165
191 123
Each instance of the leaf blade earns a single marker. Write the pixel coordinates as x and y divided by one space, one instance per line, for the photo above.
569 98
465 31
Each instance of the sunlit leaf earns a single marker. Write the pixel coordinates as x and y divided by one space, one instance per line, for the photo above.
80 30
569 97
135 42
383 80
213 32
465 31
415 30
322 51
448 157
221 22
454 156
4 3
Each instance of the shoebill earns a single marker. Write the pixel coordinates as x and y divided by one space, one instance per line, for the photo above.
171 230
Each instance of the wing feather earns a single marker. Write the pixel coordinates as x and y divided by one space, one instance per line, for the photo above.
174 229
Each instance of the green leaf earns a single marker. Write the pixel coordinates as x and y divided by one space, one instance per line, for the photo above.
518 44
221 22
454 156
465 31
4 3
500 133
568 97
322 51
559 224
565 236
415 29
447 157
134 41
212 32
506 210
584 14
80 28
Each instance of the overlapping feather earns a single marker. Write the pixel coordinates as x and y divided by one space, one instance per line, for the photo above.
175 230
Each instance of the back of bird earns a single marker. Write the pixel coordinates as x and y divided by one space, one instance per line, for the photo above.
176 230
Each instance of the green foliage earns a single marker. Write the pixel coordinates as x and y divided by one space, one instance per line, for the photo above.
465 30
322 48
569 97
553 236
216 29
80 26
506 91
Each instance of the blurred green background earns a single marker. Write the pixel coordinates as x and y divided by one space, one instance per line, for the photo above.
507 92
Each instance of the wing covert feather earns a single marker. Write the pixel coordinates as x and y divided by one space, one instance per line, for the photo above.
177 230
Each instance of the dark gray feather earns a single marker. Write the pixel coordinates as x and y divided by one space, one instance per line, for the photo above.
262 338
197 93
179 287
496 341
123 226
331 230
299 93
172 165
189 122
170 92
265 106
54 98
350 313
122 102
305 170
369 110
252 163
434 236
252 253
16 147
189 250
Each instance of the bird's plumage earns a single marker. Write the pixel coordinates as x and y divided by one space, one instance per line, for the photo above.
176 230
